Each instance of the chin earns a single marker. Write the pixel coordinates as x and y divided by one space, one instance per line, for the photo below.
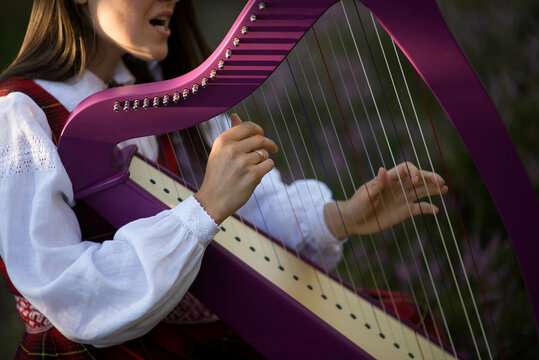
156 55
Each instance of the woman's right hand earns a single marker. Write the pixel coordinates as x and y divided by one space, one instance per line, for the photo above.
237 162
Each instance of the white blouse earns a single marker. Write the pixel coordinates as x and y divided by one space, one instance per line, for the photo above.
106 294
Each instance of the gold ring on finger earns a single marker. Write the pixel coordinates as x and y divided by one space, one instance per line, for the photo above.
261 154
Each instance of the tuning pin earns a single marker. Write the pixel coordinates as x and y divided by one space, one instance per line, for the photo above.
176 97
262 6
204 82
194 89
127 105
221 64
136 104
213 74
117 106
185 93
236 41
146 103
244 29
252 18
228 53
156 101
166 99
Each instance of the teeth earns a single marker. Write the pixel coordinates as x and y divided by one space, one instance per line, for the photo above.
159 21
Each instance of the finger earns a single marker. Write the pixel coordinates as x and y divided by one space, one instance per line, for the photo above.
258 142
403 172
425 208
243 130
380 182
234 120
430 178
258 156
369 193
263 168
430 190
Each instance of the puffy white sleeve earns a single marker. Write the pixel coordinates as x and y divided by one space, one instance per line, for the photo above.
293 214
101 294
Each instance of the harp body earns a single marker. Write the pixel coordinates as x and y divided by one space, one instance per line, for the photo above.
248 300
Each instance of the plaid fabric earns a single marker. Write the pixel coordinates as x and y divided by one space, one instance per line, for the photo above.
190 311
406 308
166 341
55 112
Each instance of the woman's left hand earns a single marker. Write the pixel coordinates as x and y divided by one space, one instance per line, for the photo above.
384 202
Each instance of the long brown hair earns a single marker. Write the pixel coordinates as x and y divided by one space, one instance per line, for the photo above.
60 41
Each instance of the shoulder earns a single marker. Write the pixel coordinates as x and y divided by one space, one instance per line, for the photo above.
19 113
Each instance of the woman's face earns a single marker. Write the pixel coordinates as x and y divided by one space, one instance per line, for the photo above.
138 27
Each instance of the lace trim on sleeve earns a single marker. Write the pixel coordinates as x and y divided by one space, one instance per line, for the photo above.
27 155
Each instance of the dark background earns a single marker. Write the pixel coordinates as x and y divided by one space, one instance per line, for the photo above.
501 39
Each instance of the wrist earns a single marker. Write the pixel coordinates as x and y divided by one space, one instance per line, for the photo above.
336 215
212 208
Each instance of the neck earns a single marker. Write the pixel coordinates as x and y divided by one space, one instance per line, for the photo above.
104 64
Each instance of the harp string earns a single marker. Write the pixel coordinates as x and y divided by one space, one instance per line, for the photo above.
445 211
285 188
283 243
362 176
259 245
308 155
392 299
449 262
177 165
311 135
280 236
261 213
403 155
333 11
278 139
287 131
500 350
296 116
366 151
368 158
331 186
333 161
443 241
384 133
312 166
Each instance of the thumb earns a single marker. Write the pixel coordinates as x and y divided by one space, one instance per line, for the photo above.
381 180
234 120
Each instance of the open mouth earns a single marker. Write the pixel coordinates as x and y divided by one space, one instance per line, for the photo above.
160 23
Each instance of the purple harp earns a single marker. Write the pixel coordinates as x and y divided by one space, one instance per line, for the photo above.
298 310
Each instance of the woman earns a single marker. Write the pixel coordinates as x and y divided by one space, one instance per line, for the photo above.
72 286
